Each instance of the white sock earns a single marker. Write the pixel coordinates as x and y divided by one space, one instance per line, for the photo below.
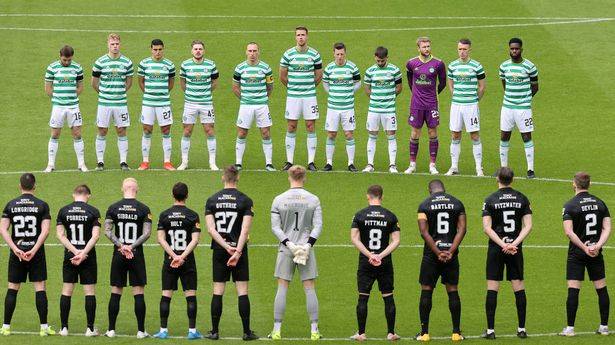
489 331
79 151
350 150
477 150
312 140
290 146
101 145
504 147
44 326
392 149
314 327
122 146
268 150
185 147
211 148
164 329
167 147
240 148
371 148
191 330
52 151
455 151
146 144
277 326
329 150
529 154
519 329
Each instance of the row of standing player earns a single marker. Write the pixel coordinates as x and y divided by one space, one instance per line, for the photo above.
296 221
301 70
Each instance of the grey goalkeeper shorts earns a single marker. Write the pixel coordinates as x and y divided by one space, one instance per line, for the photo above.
285 267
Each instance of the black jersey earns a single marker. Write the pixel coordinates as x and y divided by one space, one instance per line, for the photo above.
228 207
586 213
441 211
78 219
506 208
375 224
26 214
178 224
128 216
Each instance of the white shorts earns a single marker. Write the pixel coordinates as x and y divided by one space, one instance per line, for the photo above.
335 116
193 111
295 107
163 115
522 118
467 115
285 266
120 116
247 114
388 121
59 114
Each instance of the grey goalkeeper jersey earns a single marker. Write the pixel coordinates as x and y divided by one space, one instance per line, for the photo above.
296 215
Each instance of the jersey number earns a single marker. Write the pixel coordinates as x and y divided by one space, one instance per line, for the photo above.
178 239
296 228
591 220
442 223
225 221
509 221
128 232
24 222
375 236
76 234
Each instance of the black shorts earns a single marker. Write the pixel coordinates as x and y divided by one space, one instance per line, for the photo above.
86 273
35 269
221 273
134 269
186 273
497 260
432 269
368 274
577 263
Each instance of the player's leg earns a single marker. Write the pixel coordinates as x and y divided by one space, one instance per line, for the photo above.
75 121
572 304
292 114
244 122
311 302
596 272
10 301
528 145
331 126
42 306
525 123
415 120
310 114
471 119
148 116
216 308
103 117
390 126
450 278
122 122
494 274
507 124
264 123
210 133
477 151
279 307
349 125
65 302
164 116
191 311
429 274
185 143
89 290
165 311
56 122
455 126
386 282
491 303
521 303
243 305
189 280
140 309
113 309
433 120
373 127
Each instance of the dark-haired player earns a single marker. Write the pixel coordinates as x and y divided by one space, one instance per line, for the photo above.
587 223
507 220
128 224
78 229
228 214
375 233
179 230
520 82
30 219
442 222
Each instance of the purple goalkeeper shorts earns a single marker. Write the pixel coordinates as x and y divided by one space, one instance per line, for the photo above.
419 116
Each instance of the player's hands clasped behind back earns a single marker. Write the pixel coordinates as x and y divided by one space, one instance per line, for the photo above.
301 252
509 249
176 261
445 256
234 259
19 254
78 258
592 250
375 260
126 251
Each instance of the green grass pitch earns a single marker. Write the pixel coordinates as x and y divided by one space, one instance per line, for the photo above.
568 41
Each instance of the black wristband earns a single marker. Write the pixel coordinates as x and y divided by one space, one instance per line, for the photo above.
284 241
311 241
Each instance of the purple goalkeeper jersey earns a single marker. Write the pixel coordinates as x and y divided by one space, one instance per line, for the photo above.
422 78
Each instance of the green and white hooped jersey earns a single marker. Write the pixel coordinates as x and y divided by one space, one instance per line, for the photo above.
199 77
341 80
301 67
157 75
64 80
518 91
382 82
253 80
465 77
112 74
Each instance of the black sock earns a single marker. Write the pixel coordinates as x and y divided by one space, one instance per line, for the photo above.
454 305
140 311
362 312
243 303
572 304
9 305
521 303
389 313
425 309
64 310
90 310
603 303
42 306
165 309
216 312
114 309
191 311
490 304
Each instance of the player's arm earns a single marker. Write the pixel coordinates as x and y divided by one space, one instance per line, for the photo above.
194 241
162 240
5 223
45 225
92 242
487 223
317 74
237 85
316 225
49 88
142 83
355 237
128 82
147 231
325 85
245 232
481 87
606 232
368 89
211 229
171 82
79 87
110 234
525 230
451 84
398 86
284 75
461 232
214 79
96 83
61 235
393 244
182 83
569 230
409 77
424 229
534 85
441 77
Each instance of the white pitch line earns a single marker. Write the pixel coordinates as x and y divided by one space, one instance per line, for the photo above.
241 32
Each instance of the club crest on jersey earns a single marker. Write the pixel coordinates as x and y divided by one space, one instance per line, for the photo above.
431 70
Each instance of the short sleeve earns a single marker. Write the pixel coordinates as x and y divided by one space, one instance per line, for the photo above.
325 75
606 210
6 212
209 207
449 74
148 215
96 215
368 78
130 69
526 207
502 74
284 61
182 71
422 211
197 223
45 211
141 70
487 208
268 75
49 74
397 75
462 208
480 70
568 212
355 221
110 213
356 74
80 73
161 225
248 205
317 61
394 226
59 217
533 71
